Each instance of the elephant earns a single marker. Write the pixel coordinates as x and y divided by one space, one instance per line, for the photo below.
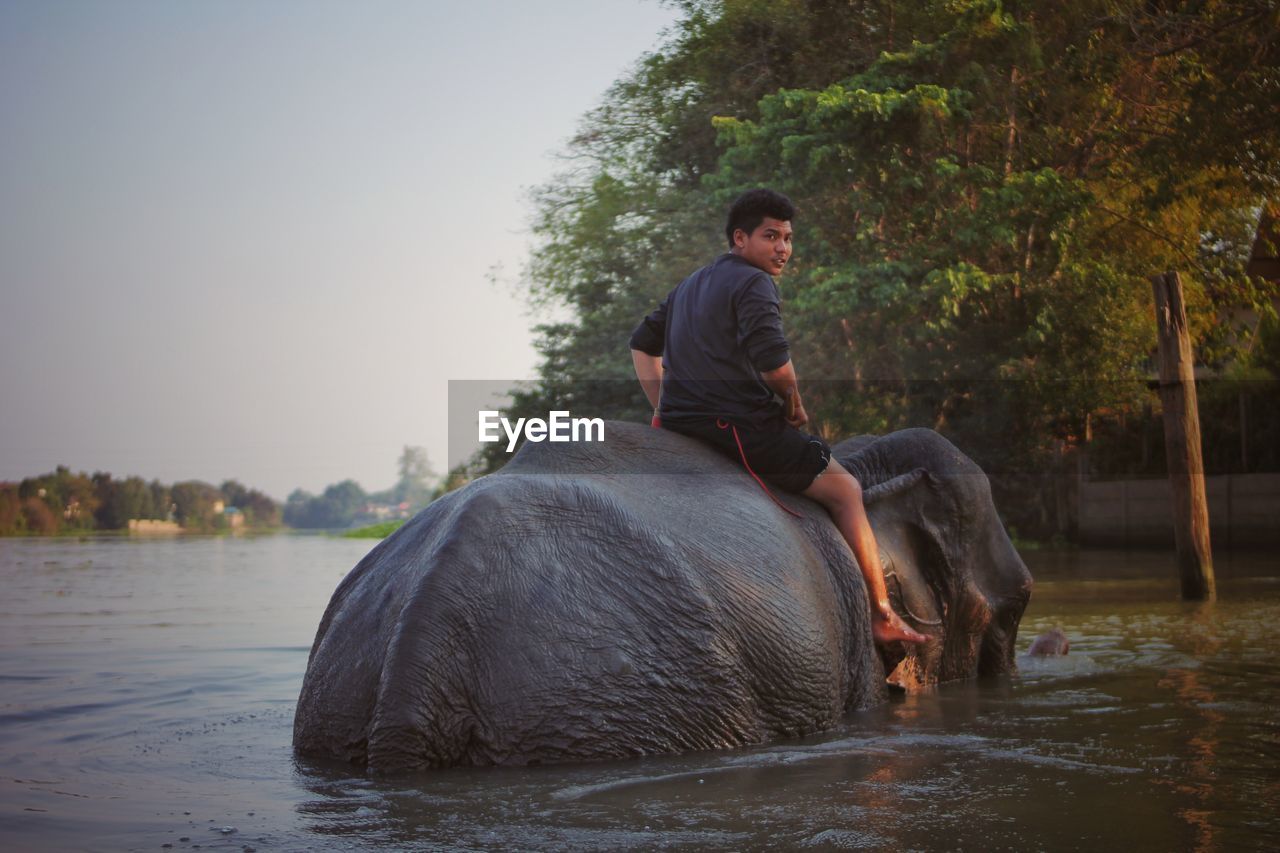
644 595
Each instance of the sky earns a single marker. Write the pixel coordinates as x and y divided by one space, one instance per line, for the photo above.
256 240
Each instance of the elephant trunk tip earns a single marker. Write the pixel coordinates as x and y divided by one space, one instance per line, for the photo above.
1052 643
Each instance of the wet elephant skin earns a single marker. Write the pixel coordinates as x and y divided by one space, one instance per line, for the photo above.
643 595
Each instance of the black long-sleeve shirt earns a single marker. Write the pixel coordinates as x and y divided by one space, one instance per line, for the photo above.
717 331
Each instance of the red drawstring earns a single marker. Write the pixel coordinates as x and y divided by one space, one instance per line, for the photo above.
723 425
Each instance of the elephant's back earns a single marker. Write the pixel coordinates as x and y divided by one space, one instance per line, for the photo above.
594 620
544 615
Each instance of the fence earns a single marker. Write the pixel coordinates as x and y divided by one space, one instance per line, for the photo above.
1244 511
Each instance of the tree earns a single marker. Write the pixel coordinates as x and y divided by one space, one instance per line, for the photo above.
1006 188
12 520
122 500
162 506
260 510
339 505
193 502
71 500
38 517
297 508
104 488
416 476
234 493
984 189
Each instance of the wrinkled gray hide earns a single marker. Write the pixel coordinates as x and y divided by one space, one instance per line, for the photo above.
949 565
645 596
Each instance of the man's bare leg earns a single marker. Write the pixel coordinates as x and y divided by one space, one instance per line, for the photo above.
838 491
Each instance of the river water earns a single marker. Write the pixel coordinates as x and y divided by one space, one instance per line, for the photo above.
147 690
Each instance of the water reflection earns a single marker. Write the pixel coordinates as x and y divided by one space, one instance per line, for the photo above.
1196 697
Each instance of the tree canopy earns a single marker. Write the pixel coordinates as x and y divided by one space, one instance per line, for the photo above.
983 190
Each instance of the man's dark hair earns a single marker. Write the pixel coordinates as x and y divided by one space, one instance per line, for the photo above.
751 208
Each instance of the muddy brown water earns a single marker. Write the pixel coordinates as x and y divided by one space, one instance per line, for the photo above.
147 692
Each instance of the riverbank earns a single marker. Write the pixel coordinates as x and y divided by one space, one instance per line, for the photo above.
381 530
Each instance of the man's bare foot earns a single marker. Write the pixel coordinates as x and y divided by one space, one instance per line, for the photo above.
888 627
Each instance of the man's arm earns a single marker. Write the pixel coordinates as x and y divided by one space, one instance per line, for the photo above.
760 335
782 381
647 343
649 372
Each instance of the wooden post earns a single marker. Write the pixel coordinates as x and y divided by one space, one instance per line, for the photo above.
1182 440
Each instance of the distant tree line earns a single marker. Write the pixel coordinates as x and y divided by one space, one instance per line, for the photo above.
345 504
63 502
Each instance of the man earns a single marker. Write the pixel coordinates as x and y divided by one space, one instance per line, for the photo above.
711 359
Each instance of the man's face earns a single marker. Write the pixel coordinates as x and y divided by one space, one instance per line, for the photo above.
767 248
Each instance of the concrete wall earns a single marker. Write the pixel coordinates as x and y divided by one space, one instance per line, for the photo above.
149 526
1244 511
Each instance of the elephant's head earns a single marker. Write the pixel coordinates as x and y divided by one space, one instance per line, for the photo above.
949 565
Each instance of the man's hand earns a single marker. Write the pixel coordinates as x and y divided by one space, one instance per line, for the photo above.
649 372
782 381
795 413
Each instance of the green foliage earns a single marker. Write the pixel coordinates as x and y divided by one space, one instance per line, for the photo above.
259 510
12 520
195 504
1265 353
59 501
479 464
976 233
63 502
344 504
123 500
38 518
381 530
984 189
339 506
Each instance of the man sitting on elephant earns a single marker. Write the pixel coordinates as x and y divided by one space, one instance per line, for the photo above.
711 359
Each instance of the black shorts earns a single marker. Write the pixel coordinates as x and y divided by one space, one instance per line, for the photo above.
790 459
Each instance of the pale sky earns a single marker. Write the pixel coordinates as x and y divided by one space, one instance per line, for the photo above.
251 240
